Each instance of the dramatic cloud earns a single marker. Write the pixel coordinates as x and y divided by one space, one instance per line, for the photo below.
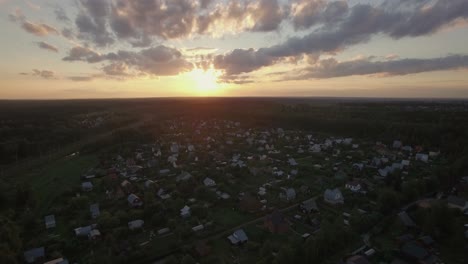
156 61
61 15
307 13
47 46
39 29
358 26
79 53
331 68
92 22
46 74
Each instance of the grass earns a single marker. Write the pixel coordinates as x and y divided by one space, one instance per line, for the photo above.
228 217
54 179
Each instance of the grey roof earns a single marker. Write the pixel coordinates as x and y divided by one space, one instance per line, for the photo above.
240 235
132 197
94 209
135 224
309 205
50 219
412 249
87 185
333 195
83 231
406 219
31 255
456 201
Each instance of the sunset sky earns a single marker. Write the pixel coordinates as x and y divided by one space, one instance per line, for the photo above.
164 48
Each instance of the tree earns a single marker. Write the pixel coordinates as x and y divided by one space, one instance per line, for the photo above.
10 241
108 221
187 259
388 201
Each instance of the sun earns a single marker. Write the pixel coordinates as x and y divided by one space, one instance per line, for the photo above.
205 81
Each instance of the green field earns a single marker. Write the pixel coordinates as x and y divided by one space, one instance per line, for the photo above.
56 178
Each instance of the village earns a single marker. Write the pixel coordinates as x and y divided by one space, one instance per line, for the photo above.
216 191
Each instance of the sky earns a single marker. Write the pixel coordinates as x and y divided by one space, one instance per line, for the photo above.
64 49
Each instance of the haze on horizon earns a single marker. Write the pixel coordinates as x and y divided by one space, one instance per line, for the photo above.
167 48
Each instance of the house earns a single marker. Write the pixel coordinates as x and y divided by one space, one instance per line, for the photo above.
94 210
149 184
163 231
406 219
49 221
198 228
333 196
355 186
309 206
83 231
315 148
162 194
94 234
57 261
209 182
288 194
413 252
190 148
135 224
292 162
34 254
175 148
422 157
457 202
183 176
238 237
385 171
397 144
223 195
134 201
405 163
357 259
185 212
86 186
276 223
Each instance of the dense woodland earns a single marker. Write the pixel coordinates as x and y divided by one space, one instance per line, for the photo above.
30 129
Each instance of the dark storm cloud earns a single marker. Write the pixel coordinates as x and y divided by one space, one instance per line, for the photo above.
157 61
47 46
359 25
331 68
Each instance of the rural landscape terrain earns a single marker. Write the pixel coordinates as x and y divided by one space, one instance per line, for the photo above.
234 180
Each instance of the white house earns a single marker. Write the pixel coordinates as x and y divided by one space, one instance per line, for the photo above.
87 186
208 182
422 157
49 221
333 196
185 212
292 162
135 224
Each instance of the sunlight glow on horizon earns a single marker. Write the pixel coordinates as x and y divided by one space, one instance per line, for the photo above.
206 82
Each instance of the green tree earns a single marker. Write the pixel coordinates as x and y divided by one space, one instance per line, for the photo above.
187 259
